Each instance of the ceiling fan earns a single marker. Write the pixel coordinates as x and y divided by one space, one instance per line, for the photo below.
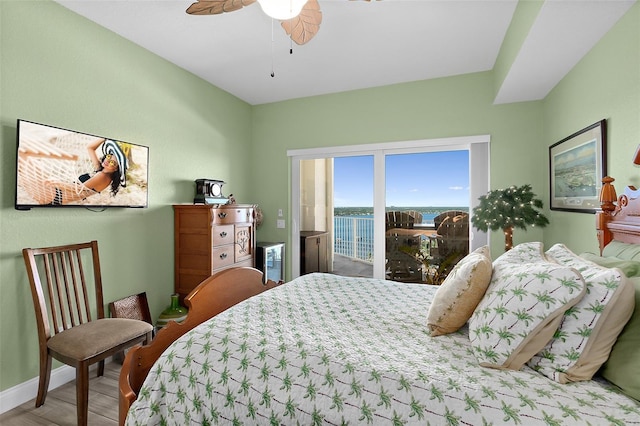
300 18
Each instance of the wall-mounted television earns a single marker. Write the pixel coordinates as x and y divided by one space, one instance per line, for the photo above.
58 167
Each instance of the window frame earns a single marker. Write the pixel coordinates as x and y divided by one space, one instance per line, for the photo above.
479 183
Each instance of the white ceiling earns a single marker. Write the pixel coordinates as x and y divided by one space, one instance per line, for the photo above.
360 44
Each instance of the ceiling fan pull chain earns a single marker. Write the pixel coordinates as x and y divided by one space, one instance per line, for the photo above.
290 37
290 29
273 74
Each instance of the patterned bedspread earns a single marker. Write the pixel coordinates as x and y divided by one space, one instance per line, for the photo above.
331 350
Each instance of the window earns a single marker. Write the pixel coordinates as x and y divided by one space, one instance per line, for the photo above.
477 146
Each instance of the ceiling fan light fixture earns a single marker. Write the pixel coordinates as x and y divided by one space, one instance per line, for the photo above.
282 9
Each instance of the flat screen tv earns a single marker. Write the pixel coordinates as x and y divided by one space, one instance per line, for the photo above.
57 167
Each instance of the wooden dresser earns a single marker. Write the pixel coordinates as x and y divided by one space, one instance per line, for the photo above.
209 239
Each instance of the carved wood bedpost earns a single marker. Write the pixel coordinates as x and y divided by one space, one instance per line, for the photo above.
608 198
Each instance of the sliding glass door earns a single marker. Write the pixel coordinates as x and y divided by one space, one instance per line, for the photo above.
420 188
432 176
353 191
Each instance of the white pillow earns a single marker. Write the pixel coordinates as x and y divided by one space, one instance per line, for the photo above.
523 253
522 307
589 329
459 294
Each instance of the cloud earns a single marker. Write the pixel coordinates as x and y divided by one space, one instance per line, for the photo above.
456 188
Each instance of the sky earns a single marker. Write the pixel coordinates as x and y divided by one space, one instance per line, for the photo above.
431 179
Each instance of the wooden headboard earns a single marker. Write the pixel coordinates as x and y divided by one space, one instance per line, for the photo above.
619 218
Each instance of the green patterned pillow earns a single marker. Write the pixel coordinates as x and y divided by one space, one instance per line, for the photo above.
521 309
589 329
459 294
523 253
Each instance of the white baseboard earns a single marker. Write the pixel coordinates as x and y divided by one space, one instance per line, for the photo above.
26 391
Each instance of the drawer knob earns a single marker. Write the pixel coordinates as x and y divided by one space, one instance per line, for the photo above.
223 234
222 215
223 256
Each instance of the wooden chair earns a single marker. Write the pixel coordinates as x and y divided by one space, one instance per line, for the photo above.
133 307
400 247
402 219
437 221
451 242
70 316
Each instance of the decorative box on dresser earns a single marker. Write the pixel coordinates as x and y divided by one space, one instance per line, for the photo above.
209 239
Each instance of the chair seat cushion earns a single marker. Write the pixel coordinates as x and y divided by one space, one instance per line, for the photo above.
87 340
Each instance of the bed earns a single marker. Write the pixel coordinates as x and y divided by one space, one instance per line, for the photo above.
325 349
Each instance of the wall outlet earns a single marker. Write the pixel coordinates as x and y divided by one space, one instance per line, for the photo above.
280 224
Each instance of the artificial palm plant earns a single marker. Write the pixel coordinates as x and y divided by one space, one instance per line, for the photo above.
513 207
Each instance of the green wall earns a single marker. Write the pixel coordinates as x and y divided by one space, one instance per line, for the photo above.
447 107
605 84
59 68
75 74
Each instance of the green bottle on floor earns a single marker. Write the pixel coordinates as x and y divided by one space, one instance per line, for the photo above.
175 312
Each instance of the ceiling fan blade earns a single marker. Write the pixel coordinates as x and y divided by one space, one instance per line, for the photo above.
215 7
304 27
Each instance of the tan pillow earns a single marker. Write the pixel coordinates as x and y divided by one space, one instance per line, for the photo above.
457 297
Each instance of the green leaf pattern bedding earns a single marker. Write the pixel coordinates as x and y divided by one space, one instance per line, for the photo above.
331 350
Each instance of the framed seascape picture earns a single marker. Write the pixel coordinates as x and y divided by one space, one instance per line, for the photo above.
577 165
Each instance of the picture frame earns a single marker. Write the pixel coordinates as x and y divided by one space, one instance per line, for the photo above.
577 165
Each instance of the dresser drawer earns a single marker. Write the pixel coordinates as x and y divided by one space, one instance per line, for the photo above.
222 256
232 215
222 234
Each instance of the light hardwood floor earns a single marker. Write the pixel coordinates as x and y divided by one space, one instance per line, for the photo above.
60 406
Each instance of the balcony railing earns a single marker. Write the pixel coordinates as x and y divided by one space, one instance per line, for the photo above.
354 237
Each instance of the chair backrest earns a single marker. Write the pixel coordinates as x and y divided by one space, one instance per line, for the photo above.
133 307
449 213
454 233
402 219
61 288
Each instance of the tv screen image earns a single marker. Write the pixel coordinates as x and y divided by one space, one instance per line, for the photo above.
57 167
